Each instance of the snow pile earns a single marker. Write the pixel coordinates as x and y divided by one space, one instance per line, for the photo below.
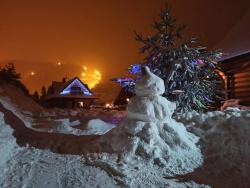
98 127
149 144
94 127
67 122
20 104
15 95
225 144
30 167
7 147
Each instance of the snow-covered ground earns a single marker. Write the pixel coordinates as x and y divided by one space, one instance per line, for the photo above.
30 167
76 122
63 148
224 137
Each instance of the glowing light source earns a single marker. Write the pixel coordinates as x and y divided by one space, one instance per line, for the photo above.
127 99
91 77
81 104
32 73
97 73
59 63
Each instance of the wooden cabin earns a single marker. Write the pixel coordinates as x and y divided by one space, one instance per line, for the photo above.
236 74
69 94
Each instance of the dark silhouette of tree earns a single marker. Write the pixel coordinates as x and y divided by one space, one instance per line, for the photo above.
36 96
43 92
8 75
51 90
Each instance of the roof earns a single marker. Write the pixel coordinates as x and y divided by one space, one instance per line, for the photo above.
236 63
64 90
235 56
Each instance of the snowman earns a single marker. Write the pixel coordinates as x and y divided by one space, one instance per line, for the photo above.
149 139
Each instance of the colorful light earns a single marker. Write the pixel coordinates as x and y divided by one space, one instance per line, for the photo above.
124 82
135 69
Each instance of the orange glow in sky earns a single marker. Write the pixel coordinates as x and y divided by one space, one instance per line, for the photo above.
91 77
94 40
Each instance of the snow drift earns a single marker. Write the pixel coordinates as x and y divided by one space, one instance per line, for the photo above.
30 167
225 144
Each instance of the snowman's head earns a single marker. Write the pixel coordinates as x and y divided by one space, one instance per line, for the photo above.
149 84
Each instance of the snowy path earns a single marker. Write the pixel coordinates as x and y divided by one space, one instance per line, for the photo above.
28 167
56 142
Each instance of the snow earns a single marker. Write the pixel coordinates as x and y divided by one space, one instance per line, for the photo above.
94 127
149 84
149 141
26 166
39 119
143 147
98 127
226 146
30 167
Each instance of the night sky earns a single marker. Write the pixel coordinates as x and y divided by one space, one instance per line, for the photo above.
98 34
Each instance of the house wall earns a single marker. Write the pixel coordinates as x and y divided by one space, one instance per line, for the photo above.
68 103
237 71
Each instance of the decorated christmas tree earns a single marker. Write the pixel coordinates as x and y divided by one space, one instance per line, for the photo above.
189 70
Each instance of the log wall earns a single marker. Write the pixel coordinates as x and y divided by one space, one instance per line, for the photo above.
237 71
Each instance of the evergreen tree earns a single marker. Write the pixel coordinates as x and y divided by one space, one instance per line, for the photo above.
43 92
50 90
36 96
188 70
8 74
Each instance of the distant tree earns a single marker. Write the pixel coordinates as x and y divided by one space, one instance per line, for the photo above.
43 92
8 75
36 96
50 90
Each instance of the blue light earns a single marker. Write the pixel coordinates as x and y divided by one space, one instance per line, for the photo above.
135 69
125 82
76 83
194 62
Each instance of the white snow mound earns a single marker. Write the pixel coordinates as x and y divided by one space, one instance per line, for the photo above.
98 127
225 143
